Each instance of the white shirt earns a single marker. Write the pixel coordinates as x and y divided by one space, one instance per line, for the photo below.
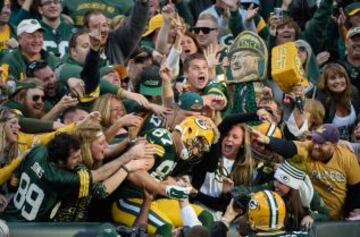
211 186
345 121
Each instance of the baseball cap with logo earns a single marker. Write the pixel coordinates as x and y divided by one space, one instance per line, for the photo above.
151 82
326 133
352 32
28 26
191 101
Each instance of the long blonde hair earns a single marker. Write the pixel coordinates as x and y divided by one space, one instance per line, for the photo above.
242 172
7 153
87 132
103 105
244 164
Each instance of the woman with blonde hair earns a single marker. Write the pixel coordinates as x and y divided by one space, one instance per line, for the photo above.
94 149
114 118
14 143
340 99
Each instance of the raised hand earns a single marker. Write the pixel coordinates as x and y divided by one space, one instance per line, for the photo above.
165 71
322 57
95 39
251 12
212 56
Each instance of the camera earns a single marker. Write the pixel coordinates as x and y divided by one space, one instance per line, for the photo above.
299 103
279 13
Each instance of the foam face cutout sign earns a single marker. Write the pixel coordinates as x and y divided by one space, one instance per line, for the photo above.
247 59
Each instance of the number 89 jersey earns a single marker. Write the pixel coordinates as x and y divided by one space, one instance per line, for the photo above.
40 187
165 161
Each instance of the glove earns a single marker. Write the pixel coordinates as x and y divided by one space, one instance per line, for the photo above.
177 192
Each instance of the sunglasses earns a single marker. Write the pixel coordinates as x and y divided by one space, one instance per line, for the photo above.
36 98
204 30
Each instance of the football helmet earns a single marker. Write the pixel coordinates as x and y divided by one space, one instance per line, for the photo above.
266 211
198 133
269 129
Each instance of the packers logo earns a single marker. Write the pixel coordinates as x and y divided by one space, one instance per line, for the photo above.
285 178
253 204
201 123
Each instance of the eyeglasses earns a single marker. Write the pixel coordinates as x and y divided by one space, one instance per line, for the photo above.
36 98
47 3
204 30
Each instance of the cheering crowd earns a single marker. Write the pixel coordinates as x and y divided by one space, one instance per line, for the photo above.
180 117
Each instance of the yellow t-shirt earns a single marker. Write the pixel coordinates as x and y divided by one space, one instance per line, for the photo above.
330 179
4 37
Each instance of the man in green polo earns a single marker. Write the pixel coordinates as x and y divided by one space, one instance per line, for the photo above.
31 41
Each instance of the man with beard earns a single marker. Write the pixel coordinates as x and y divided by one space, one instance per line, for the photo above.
56 32
31 41
42 71
332 167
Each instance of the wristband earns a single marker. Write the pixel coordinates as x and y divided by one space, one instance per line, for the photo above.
124 168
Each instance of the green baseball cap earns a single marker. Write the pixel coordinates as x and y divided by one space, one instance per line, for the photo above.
191 101
105 70
151 82
107 230
353 9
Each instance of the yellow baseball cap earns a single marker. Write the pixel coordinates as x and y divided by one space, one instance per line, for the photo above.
154 24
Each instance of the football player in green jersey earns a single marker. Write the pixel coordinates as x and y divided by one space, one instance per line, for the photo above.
186 143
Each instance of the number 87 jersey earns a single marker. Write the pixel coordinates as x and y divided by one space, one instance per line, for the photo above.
166 157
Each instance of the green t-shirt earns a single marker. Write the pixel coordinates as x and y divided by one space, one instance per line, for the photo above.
41 185
57 40
164 163
110 8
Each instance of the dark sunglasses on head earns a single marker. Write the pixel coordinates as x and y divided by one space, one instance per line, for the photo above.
37 65
36 98
204 30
